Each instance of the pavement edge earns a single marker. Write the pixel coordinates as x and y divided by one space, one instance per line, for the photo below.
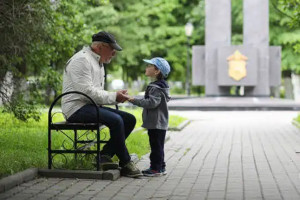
9 182
17 179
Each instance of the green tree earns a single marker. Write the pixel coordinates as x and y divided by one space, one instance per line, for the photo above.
22 25
145 29
37 39
237 22
286 32
65 35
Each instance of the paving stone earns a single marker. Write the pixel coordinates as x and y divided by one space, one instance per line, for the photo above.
95 188
234 195
197 195
20 197
106 194
61 197
290 194
124 196
41 197
82 174
121 198
254 194
4 195
216 194
82 197
178 197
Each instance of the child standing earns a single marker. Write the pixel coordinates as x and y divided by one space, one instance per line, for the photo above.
155 113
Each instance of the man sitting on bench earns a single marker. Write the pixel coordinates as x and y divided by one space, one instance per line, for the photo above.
85 73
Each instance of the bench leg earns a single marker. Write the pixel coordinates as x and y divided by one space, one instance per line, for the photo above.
98 150
75 143
49 150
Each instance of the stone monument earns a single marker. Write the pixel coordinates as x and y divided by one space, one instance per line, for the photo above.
219 65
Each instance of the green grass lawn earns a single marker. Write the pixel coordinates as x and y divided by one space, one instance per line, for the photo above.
297 119
24 144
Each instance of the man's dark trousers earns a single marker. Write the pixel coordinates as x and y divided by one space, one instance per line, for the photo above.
119 123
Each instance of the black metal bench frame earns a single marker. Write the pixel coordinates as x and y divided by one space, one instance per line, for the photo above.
61 126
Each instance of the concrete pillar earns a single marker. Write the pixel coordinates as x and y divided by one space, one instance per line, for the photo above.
256 33
217 34
296 86
198 65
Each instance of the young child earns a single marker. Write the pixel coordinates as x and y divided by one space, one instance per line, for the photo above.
155 113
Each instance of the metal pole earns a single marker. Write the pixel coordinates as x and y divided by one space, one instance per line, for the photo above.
187 82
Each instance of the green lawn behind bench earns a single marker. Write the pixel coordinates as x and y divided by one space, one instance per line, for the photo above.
24 144
297 119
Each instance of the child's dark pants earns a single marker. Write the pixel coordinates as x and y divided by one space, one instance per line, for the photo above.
157 155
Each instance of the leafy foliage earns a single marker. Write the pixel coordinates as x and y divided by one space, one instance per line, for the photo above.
284 19
145 29
22 25
36 35
40 36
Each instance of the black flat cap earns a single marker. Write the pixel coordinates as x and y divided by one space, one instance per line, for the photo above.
108 38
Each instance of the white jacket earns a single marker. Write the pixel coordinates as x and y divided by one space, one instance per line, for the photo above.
83 73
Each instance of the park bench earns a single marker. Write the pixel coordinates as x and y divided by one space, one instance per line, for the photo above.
81 143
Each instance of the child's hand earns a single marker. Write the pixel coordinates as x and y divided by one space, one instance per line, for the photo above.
131 99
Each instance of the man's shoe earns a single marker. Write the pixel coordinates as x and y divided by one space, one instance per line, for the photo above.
106 163
152 173
130 170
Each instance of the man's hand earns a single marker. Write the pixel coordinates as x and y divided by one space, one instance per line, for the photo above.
122 96
124 92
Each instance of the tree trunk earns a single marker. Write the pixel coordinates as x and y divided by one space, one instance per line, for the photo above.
288 86
6 88
296 86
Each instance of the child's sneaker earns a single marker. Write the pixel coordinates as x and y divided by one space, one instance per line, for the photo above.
151 173
144 171
164 171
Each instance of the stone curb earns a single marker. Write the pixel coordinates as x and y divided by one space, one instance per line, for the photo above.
296 123
180 127
11 181
17 179
80 174
137 129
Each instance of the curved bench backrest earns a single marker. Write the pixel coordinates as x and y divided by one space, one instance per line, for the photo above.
66 93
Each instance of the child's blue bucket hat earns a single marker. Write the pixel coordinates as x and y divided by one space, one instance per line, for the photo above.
161 64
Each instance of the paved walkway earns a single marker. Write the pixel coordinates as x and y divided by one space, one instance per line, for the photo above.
220 155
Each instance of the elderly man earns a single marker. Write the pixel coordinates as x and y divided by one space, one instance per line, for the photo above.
85 73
